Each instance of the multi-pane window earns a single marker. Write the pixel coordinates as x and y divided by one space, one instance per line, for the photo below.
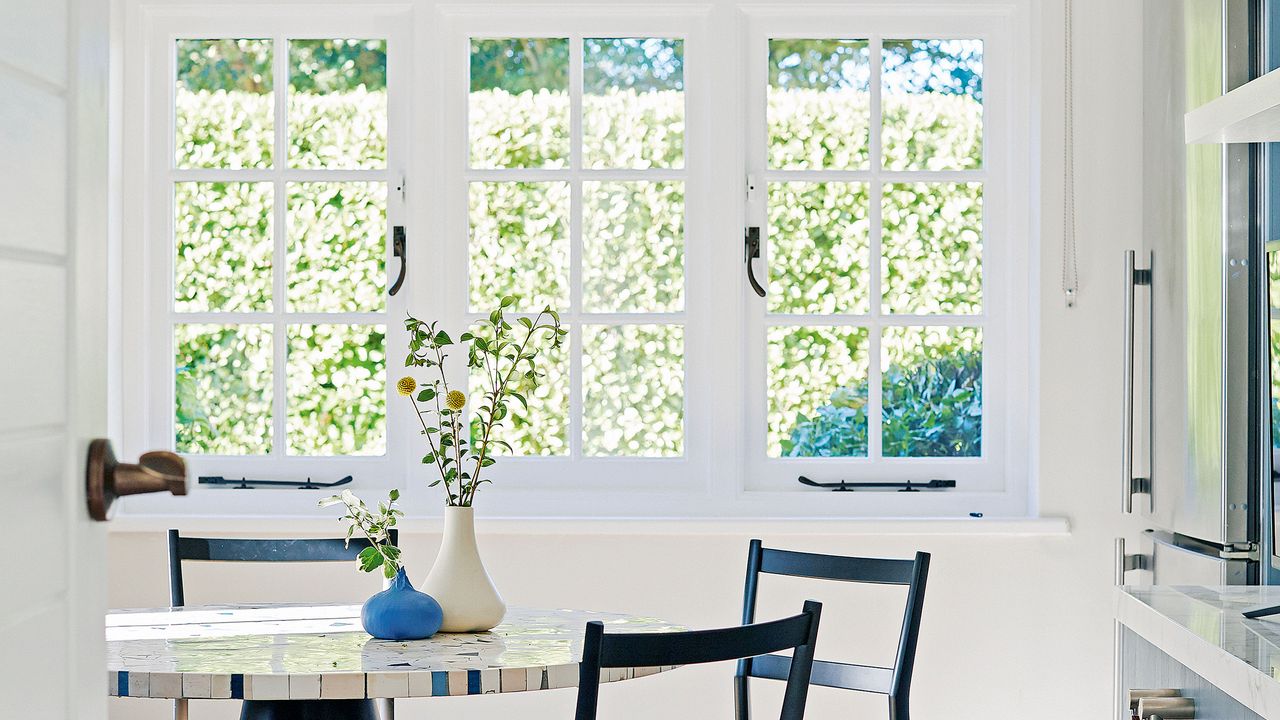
279 187
609 165
576 195
875 315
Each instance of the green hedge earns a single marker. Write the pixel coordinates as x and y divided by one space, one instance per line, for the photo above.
633 261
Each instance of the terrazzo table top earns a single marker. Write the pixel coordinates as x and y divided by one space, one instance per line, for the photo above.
300 652
1202 628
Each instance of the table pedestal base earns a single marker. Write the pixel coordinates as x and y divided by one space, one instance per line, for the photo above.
308 710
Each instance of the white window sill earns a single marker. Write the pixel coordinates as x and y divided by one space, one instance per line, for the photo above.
293 524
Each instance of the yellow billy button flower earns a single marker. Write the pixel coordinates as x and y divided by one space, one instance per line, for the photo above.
406 386
455 400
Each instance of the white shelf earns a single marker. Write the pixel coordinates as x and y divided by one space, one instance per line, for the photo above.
1250 113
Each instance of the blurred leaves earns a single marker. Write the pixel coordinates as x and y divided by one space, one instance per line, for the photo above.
336 380
931 248
806 365
633 390
222 389
222 261
632 230
337 247
519 244
819 248
932 392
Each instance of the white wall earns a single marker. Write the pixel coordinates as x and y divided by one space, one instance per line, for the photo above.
1014 625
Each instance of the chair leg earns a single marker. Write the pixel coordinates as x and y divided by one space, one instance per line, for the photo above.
387 709
180 709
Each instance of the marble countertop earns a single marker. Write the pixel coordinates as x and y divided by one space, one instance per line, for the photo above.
283 651
1202 628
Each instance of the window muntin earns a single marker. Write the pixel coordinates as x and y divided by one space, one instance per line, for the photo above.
576 180
278 314
875 321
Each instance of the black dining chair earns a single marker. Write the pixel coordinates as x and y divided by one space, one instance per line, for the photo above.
894 682
242 550
798 633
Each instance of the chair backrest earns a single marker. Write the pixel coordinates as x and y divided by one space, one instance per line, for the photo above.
894 682
250 550
798 633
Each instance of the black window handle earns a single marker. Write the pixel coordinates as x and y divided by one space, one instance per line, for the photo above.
398 250
751 251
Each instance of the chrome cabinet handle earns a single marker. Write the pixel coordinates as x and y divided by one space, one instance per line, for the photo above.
1125 563
1133 277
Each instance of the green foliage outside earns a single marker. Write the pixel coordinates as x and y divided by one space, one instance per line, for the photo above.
632 231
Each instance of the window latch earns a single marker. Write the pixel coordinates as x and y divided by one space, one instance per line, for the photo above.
398 250
751 251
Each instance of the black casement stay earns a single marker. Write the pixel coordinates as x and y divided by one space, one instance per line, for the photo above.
398 250
248 484
907 486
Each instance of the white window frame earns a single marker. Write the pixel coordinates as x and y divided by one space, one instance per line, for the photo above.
150 378
575 473
996 481
718 476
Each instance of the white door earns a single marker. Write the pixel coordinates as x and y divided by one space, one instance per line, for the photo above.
53 353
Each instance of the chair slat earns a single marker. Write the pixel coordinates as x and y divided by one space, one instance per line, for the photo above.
703 646
843 676
832 567
248 550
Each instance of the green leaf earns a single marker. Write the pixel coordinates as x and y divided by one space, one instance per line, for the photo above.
370 559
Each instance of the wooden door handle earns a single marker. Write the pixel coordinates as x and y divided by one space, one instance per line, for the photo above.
107 478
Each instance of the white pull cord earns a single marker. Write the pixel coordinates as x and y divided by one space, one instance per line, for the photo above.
1070 263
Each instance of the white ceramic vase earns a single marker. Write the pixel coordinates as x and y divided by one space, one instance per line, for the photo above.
458 580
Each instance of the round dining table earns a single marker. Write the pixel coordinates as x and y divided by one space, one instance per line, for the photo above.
321 652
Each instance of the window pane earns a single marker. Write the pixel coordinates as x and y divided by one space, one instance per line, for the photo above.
818 391
519 244
224 107
932 385
819 104
543 427
633 390
932 248
222 389
223 247
337 247
633 246
819 247
336 403
518 107
931 95
338 103
632 102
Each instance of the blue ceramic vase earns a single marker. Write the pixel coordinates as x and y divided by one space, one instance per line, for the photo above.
401 613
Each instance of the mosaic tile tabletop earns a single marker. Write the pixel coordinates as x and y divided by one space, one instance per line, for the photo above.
301 652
